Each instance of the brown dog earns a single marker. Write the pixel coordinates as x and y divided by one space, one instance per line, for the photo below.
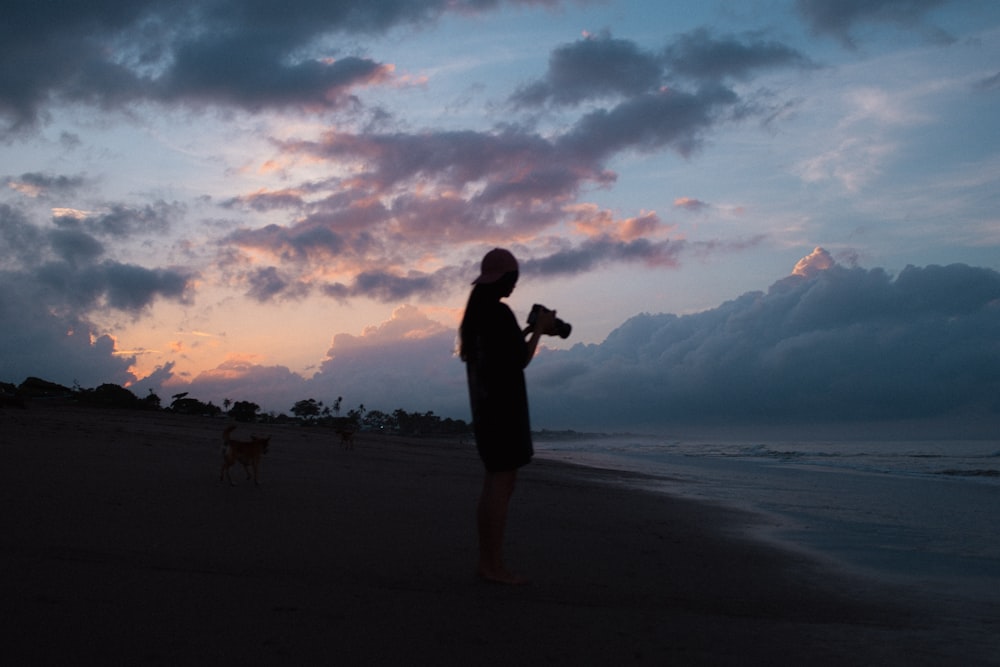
248 453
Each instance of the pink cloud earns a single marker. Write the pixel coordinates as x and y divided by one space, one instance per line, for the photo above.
690 204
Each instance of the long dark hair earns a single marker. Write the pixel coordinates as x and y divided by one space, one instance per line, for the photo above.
482 295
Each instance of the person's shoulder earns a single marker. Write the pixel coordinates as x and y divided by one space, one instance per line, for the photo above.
505 311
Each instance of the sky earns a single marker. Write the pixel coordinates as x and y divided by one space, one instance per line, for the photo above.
753 210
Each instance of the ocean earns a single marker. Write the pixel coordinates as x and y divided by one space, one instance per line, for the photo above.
923 510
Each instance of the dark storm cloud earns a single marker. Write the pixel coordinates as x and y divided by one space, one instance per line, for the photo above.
839 18
841 344
249 54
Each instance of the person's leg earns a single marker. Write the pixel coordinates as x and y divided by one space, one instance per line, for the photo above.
492 520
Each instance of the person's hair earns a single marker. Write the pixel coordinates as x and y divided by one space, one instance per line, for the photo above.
481 296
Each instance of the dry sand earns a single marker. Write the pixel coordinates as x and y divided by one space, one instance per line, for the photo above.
120 546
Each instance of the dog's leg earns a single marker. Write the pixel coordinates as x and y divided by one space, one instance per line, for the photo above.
227 463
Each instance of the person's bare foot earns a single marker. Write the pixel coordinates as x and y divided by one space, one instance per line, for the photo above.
502 576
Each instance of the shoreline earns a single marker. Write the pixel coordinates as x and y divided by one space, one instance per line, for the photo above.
123 545
838 513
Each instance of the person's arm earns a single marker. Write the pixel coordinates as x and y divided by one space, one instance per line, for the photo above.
544 323
532 344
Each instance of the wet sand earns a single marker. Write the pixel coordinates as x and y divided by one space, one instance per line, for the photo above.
120 545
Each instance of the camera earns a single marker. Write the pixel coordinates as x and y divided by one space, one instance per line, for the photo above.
561 328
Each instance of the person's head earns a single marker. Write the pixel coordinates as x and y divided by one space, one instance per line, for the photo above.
497 278
499 271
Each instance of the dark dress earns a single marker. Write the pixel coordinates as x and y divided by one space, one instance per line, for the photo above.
494 364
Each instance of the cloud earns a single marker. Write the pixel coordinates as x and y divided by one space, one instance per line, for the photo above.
701 56
827 343
810 265
36 184
605 249
605 68
250 56
397 194
407 323
266 283
207 73
75 246
691 204
54 277
462 189
56 344
64 264
840 19
125 287
593 68
388 287
22 241
665 119
121 221
238 378
406 362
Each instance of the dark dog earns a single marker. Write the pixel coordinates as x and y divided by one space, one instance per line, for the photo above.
248 453
346 438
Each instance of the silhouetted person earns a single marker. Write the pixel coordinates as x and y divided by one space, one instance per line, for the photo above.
495 352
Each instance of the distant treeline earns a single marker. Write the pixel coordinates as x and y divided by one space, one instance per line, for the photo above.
307 412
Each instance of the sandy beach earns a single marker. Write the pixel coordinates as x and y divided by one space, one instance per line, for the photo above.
120 545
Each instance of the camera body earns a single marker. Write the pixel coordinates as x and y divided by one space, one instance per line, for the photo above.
562 329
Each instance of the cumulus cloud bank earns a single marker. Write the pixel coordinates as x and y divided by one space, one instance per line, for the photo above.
827 343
